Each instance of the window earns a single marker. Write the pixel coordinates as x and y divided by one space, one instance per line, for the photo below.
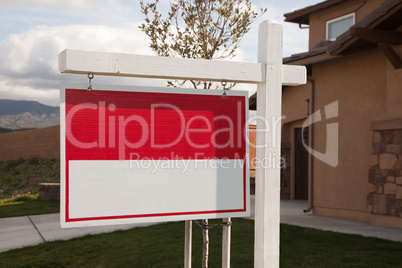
338 26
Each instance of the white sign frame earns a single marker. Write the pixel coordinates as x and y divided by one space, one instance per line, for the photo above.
269 74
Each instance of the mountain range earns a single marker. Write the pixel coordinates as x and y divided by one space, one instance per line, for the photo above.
16 114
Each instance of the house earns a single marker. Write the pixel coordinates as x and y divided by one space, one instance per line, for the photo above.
347 160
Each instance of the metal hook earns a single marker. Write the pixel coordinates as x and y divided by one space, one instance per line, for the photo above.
90 77
224 83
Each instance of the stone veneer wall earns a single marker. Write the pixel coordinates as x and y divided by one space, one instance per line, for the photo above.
385 173
49 191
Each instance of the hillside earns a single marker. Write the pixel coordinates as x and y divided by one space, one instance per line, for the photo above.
27 114
5 130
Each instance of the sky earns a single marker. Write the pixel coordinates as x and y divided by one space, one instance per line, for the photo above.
34 32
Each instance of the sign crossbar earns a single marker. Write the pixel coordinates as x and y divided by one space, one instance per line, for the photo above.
131 65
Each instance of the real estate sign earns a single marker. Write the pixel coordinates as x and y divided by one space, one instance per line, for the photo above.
138 154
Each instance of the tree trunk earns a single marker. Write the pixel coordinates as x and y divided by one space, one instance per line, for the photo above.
205 249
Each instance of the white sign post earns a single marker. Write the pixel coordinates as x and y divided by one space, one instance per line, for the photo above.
268 73
267 190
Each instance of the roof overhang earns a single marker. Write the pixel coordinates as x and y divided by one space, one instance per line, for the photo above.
383 25
308 58
301 16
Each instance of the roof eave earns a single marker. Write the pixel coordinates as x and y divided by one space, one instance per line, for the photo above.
309 59
301 16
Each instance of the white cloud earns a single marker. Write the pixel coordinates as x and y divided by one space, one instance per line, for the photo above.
8 90
76 4
28 61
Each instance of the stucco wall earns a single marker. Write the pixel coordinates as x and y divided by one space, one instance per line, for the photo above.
43 143
294 108
394 88
358 83
294 105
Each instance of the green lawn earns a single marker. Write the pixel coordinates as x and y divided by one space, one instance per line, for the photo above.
162 246
27 204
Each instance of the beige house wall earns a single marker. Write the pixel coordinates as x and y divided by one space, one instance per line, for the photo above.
342 191
394 89
319 19
367 89
294 108
294 104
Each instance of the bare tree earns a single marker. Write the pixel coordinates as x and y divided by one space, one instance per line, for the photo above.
198 29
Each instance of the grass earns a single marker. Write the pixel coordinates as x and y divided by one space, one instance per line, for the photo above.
306 247
27 204
162 246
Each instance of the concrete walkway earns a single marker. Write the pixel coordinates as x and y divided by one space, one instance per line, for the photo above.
32 230
292 213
